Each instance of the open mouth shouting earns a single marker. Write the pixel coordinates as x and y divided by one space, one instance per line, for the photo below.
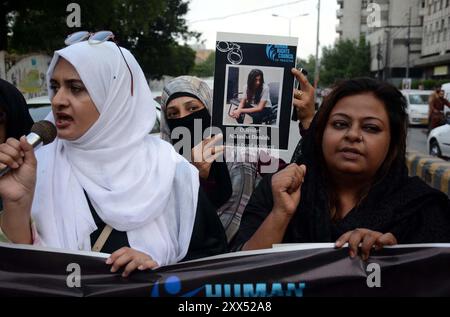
63 120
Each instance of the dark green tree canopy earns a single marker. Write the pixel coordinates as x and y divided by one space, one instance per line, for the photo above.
346 59
149 28
206 68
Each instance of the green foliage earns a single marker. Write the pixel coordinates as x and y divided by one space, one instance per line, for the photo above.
346 59
429 83
148 28
206 68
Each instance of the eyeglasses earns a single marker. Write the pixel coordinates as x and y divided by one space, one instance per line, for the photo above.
96 38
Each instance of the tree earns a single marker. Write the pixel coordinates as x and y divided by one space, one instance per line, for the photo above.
206 68
37 26
151 29
346 59
148 28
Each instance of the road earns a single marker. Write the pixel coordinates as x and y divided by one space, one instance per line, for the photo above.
417 139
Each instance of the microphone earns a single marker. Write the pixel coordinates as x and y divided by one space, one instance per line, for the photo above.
41 132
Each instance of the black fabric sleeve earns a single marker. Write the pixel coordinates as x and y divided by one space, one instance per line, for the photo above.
218 186
258 208
116 240
429 225
306 142
208 235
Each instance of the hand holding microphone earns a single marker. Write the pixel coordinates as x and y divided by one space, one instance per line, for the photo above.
18 163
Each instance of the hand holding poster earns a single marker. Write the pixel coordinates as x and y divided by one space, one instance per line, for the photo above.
253 87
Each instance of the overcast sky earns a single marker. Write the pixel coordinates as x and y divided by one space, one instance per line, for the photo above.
262 22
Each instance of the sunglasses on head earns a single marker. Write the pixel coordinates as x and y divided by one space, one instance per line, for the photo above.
96 38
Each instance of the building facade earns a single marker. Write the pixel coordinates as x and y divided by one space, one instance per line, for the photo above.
352 24
393 28
435 49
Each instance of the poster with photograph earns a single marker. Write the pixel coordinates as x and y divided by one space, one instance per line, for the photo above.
253 87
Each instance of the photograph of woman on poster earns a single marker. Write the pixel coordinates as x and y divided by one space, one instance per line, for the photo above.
256 103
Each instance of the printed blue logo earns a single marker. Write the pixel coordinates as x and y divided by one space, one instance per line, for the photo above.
173 287
279 53
255 290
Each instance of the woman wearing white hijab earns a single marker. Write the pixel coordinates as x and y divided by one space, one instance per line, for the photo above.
104 158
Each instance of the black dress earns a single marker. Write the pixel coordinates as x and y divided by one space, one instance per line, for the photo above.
405 206
208 236
18 120
218 186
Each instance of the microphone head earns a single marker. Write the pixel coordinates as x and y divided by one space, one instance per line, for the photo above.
46 130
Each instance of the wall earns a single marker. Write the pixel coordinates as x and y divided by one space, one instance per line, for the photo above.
434 171
27 72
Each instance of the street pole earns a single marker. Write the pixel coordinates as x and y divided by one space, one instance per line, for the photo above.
408 43
379 60
387 64
290 19
317 68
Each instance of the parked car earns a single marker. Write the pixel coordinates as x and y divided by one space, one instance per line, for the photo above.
439 141
446 89
417 103
39 107
157 103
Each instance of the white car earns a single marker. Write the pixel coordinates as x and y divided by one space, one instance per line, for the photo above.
439 141
446 89
417 103
39 107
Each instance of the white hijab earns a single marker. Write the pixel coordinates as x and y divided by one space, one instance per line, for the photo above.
136 182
